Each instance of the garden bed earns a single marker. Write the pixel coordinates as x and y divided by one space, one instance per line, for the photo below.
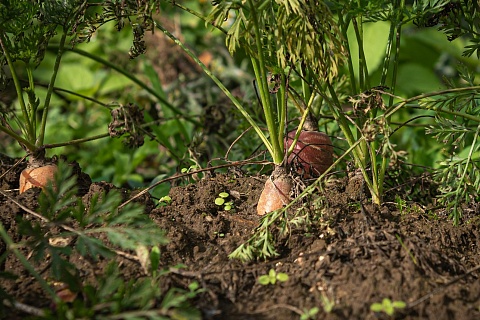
351 256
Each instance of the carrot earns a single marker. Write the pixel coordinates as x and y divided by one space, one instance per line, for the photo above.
312 154
276 192
37 177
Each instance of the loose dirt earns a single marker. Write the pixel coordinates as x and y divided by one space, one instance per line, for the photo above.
353 254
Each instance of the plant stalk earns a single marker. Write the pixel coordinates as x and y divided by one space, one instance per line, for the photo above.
359 153
363 68
261 76
56 67
221 86
351 72
18 87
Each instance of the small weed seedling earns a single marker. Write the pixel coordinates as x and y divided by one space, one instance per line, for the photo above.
193 167
272 277
221 200
388 306
309 314
327 303
165 201
404 207
401 203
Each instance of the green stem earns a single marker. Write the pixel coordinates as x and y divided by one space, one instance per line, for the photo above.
73 93
397 50
305 74
200 16
363 76
31 110
99 136
460 114
351 71
379 166
363 68
396 28
306 111
388 53
377 181
56 67
21 100
76 141
381 175
234 100
359 153
282 108
342 122
261 76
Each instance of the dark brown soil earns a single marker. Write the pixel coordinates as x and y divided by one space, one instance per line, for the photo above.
352 255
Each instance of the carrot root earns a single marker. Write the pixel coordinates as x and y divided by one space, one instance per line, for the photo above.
37 177
276 192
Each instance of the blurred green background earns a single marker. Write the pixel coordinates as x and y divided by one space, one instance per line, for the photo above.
427 61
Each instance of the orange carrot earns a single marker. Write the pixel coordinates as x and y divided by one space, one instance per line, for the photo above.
276 192
37 177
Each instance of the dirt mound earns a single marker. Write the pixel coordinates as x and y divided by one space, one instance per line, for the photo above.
350 257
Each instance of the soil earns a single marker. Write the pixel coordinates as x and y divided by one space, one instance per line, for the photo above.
353 254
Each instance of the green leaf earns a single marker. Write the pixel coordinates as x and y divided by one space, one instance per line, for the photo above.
193 286
109 283
264 280
282 277
388 307
376 307
132 215
64 271
399 304
166 199
272 273
219 201
92 247
174 298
